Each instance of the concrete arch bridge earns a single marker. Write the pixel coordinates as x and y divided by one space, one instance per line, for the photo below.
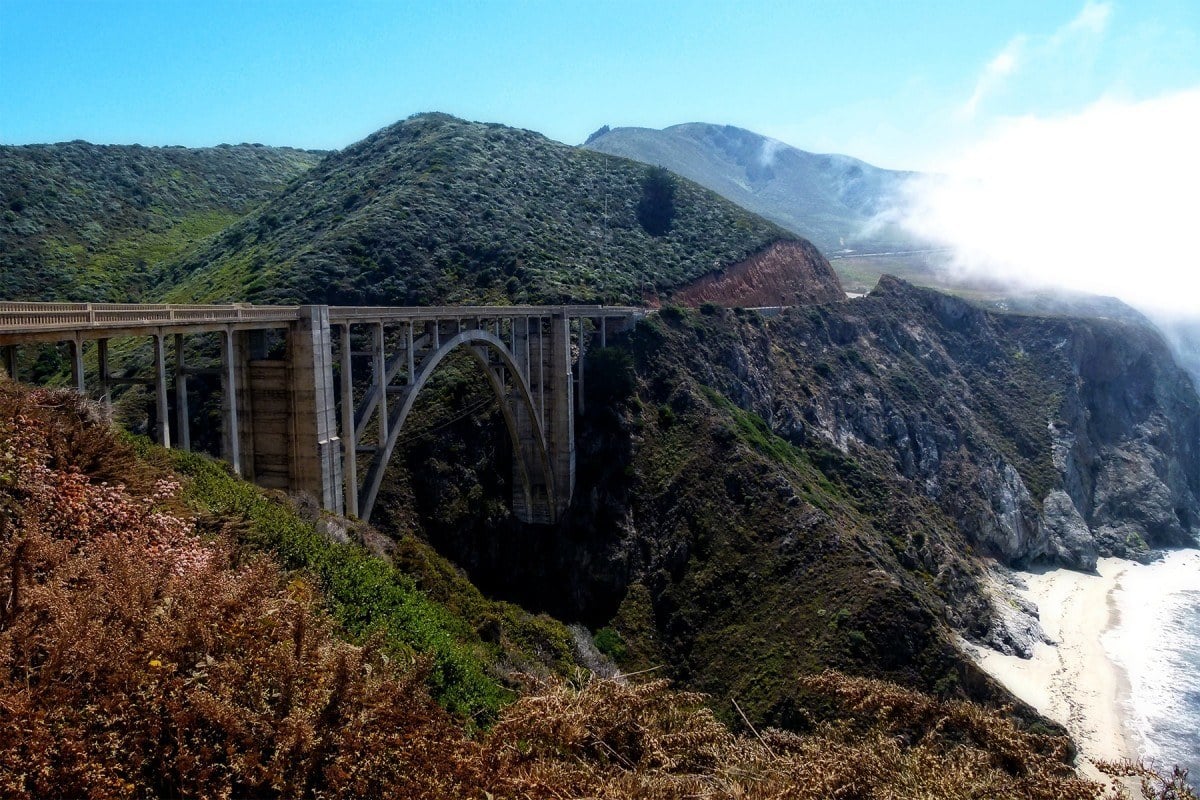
301 421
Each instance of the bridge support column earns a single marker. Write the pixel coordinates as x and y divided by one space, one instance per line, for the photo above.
316 463
535 506
182 415
77 380
249 389
579 363
163 428
380 379
231 443
349 446
103 375
559 416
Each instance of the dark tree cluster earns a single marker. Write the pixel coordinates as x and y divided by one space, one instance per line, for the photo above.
656 211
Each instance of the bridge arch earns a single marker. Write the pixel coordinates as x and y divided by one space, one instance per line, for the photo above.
527 434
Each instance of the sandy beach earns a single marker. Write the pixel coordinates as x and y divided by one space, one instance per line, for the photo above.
1074 681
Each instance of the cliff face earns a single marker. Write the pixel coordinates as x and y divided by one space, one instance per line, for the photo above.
812 489
1044 438
784 274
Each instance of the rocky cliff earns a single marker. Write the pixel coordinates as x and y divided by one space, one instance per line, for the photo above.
826 486
1045 438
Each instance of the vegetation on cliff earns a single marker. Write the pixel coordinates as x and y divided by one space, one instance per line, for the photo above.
149 652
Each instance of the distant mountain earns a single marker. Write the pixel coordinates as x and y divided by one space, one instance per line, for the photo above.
437 209
87 222
829 199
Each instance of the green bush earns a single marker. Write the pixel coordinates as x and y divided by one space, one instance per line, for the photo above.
609 642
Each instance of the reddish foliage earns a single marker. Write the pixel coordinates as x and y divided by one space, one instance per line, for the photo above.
137 659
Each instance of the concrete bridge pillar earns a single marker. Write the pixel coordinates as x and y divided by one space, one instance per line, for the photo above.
534 506
316 463
183 415
231 443
349 447
162 420
103 376
76 347
250 348
559 419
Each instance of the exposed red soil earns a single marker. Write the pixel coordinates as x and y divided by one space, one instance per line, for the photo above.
786 273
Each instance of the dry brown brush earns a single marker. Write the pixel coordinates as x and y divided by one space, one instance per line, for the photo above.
139 660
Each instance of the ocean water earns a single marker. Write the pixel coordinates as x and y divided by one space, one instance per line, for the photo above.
1156 641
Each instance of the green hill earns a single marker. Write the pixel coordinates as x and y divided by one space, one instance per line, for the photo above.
829 199
437 209
89 222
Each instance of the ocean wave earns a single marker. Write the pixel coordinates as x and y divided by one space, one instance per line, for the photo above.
1156 642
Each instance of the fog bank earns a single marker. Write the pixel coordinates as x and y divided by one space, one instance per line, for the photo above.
1105 201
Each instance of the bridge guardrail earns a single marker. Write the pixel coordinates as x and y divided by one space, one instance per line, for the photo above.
17 316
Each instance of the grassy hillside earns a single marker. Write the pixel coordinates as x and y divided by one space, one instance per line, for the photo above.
91 222
826 198
436 209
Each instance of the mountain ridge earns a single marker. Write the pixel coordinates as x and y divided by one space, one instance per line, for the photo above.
831 199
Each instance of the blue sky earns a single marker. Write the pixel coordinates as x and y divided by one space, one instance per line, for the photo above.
899 84
1060 136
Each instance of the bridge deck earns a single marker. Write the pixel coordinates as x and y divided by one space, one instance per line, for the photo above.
32 322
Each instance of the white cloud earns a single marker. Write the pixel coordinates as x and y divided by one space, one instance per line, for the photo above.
1106 200
1091 20
1024 51
994 74
770 148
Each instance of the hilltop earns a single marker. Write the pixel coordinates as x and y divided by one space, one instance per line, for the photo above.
88 222
438 209
827 198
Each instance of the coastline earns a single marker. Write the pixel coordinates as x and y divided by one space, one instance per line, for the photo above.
1074 681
